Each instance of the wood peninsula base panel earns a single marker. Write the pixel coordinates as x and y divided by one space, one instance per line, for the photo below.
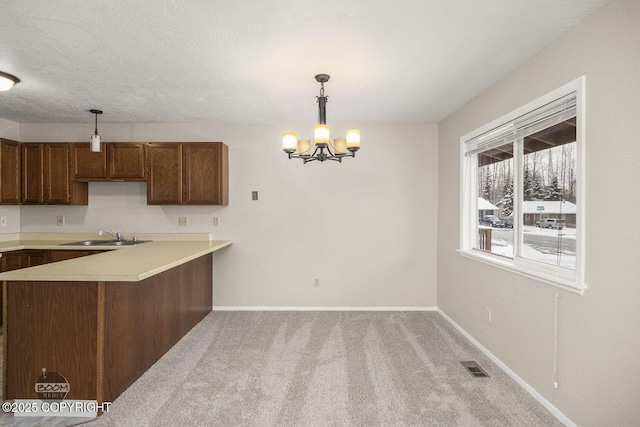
50 325
144 321
101 336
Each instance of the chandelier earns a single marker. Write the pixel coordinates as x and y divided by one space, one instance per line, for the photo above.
322 149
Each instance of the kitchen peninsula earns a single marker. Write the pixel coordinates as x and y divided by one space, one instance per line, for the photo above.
101 320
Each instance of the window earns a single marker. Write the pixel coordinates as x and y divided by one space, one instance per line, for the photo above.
521 189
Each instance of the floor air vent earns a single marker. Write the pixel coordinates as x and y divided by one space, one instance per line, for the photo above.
474 369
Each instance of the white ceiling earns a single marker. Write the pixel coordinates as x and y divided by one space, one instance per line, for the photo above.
250 61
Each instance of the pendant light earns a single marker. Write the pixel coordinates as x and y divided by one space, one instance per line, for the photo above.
95 138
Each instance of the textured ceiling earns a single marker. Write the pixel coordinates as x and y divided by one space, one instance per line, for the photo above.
248 61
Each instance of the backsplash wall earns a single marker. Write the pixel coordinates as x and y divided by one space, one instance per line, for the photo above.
121 206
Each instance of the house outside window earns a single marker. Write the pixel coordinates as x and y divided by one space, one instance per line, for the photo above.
522 189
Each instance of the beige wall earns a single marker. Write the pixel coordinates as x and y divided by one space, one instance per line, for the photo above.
365 228
598 340
10 130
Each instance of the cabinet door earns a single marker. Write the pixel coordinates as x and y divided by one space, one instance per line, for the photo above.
56 174
63 255
46 178
32 176
36 257
10 192
164 180
12 260
126 161
205 172
87 165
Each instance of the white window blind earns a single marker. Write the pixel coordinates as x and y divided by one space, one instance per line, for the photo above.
541 118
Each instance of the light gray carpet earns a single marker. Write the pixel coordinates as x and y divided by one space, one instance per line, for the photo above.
323 369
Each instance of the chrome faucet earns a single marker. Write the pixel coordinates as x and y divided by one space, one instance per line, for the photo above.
114 233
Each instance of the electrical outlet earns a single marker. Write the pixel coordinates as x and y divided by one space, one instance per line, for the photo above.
316 283
60 220
3 221
488 315
182 221
216 221
254 195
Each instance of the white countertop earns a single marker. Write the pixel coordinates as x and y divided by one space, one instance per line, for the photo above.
121 264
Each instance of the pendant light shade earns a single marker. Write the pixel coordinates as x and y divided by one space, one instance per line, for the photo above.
95 143
95 138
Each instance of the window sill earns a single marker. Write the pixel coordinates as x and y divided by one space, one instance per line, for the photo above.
540 274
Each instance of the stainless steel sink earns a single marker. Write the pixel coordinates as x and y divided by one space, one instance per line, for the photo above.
105 243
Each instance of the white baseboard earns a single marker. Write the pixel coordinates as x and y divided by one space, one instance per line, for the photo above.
555 411
256 308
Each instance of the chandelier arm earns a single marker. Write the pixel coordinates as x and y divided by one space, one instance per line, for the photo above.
350 154
321 156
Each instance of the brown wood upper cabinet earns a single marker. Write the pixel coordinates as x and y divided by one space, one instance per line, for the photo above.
10 193
164 183
117 161
46 178
188 173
